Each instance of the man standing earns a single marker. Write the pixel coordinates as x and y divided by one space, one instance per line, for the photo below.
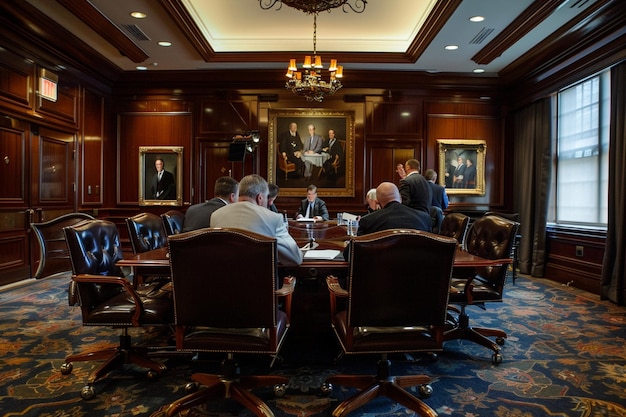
163 183
312 207
290 146
251 213
198 216
414 188
312 145
440 198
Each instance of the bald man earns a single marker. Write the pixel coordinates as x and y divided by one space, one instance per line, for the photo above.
394 214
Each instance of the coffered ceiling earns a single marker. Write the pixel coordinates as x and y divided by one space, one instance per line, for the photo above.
403 35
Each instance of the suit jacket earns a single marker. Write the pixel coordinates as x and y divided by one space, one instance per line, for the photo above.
469 178
440 198
250 216
313 143
198 216
167 185
415 192
290 144
334 150
458 175
319 208
394 215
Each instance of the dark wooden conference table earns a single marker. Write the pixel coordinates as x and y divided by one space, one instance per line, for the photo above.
311 302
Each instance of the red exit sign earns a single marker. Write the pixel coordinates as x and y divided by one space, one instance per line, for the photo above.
47 89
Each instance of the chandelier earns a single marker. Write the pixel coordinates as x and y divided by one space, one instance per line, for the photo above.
316 6
308 82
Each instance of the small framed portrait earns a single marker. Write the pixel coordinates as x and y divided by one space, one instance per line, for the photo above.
311 147
462 163
160 176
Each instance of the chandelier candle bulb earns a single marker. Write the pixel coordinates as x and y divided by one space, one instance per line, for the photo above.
318 62
339 73
292 65
307 61
333 65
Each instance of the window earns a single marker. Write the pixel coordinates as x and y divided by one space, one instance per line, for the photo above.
580 194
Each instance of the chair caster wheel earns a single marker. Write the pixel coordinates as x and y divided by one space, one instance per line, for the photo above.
496 358
280 390
191 387
67 368
326 388
425 391
500 341
87 392
152 374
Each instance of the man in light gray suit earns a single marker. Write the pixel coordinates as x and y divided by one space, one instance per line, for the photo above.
251 213
312 145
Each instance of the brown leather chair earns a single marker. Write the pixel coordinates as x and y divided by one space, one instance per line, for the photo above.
518 238
226 294
489 237
392 307
173 222
284 165
146 232
106 298
455 225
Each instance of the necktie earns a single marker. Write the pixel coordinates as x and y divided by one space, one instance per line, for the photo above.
160 175
309 211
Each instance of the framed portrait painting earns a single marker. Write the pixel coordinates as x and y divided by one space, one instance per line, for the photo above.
311 147
462 163
160 176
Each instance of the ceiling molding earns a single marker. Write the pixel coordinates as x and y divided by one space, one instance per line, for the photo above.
437 18
187 25
85 11
536 13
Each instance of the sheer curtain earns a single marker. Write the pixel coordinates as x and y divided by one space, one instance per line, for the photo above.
613 267
533 153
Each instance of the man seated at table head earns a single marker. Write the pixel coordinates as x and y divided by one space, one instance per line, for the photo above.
393 213
251 213
312 207
198 216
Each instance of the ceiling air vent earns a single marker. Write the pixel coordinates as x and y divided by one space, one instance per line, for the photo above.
481 36
136 32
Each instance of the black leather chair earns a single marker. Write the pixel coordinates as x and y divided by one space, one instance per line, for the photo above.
146 232
106 298
489 237
173 222
455 225
226 300
518 238
392 307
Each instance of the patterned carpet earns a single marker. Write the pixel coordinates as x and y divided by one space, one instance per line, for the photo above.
565 356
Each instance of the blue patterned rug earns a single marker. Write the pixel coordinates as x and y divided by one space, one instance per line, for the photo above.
565 356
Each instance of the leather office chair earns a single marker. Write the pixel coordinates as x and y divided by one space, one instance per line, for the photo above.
489 237
146 233
284 165
173 222
226 300
436 217
455 225
392 308
106 298
518 238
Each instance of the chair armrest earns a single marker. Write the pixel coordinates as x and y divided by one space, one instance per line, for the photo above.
335 291
286 291
120 281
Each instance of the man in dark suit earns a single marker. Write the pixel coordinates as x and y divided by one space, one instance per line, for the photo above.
290 147
163 183
440 198
312 207
393 214
274 190
198 216
459 172
335 164
414 188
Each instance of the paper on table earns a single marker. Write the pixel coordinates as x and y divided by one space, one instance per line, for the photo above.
347 216
321 254
305 220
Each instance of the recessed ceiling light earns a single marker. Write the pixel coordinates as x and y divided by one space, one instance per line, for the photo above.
476 19
141 68
165 43
138 15
405 114
451 47
479 70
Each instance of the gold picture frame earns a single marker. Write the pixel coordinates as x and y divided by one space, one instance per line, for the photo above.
172 157
462 166
331 180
